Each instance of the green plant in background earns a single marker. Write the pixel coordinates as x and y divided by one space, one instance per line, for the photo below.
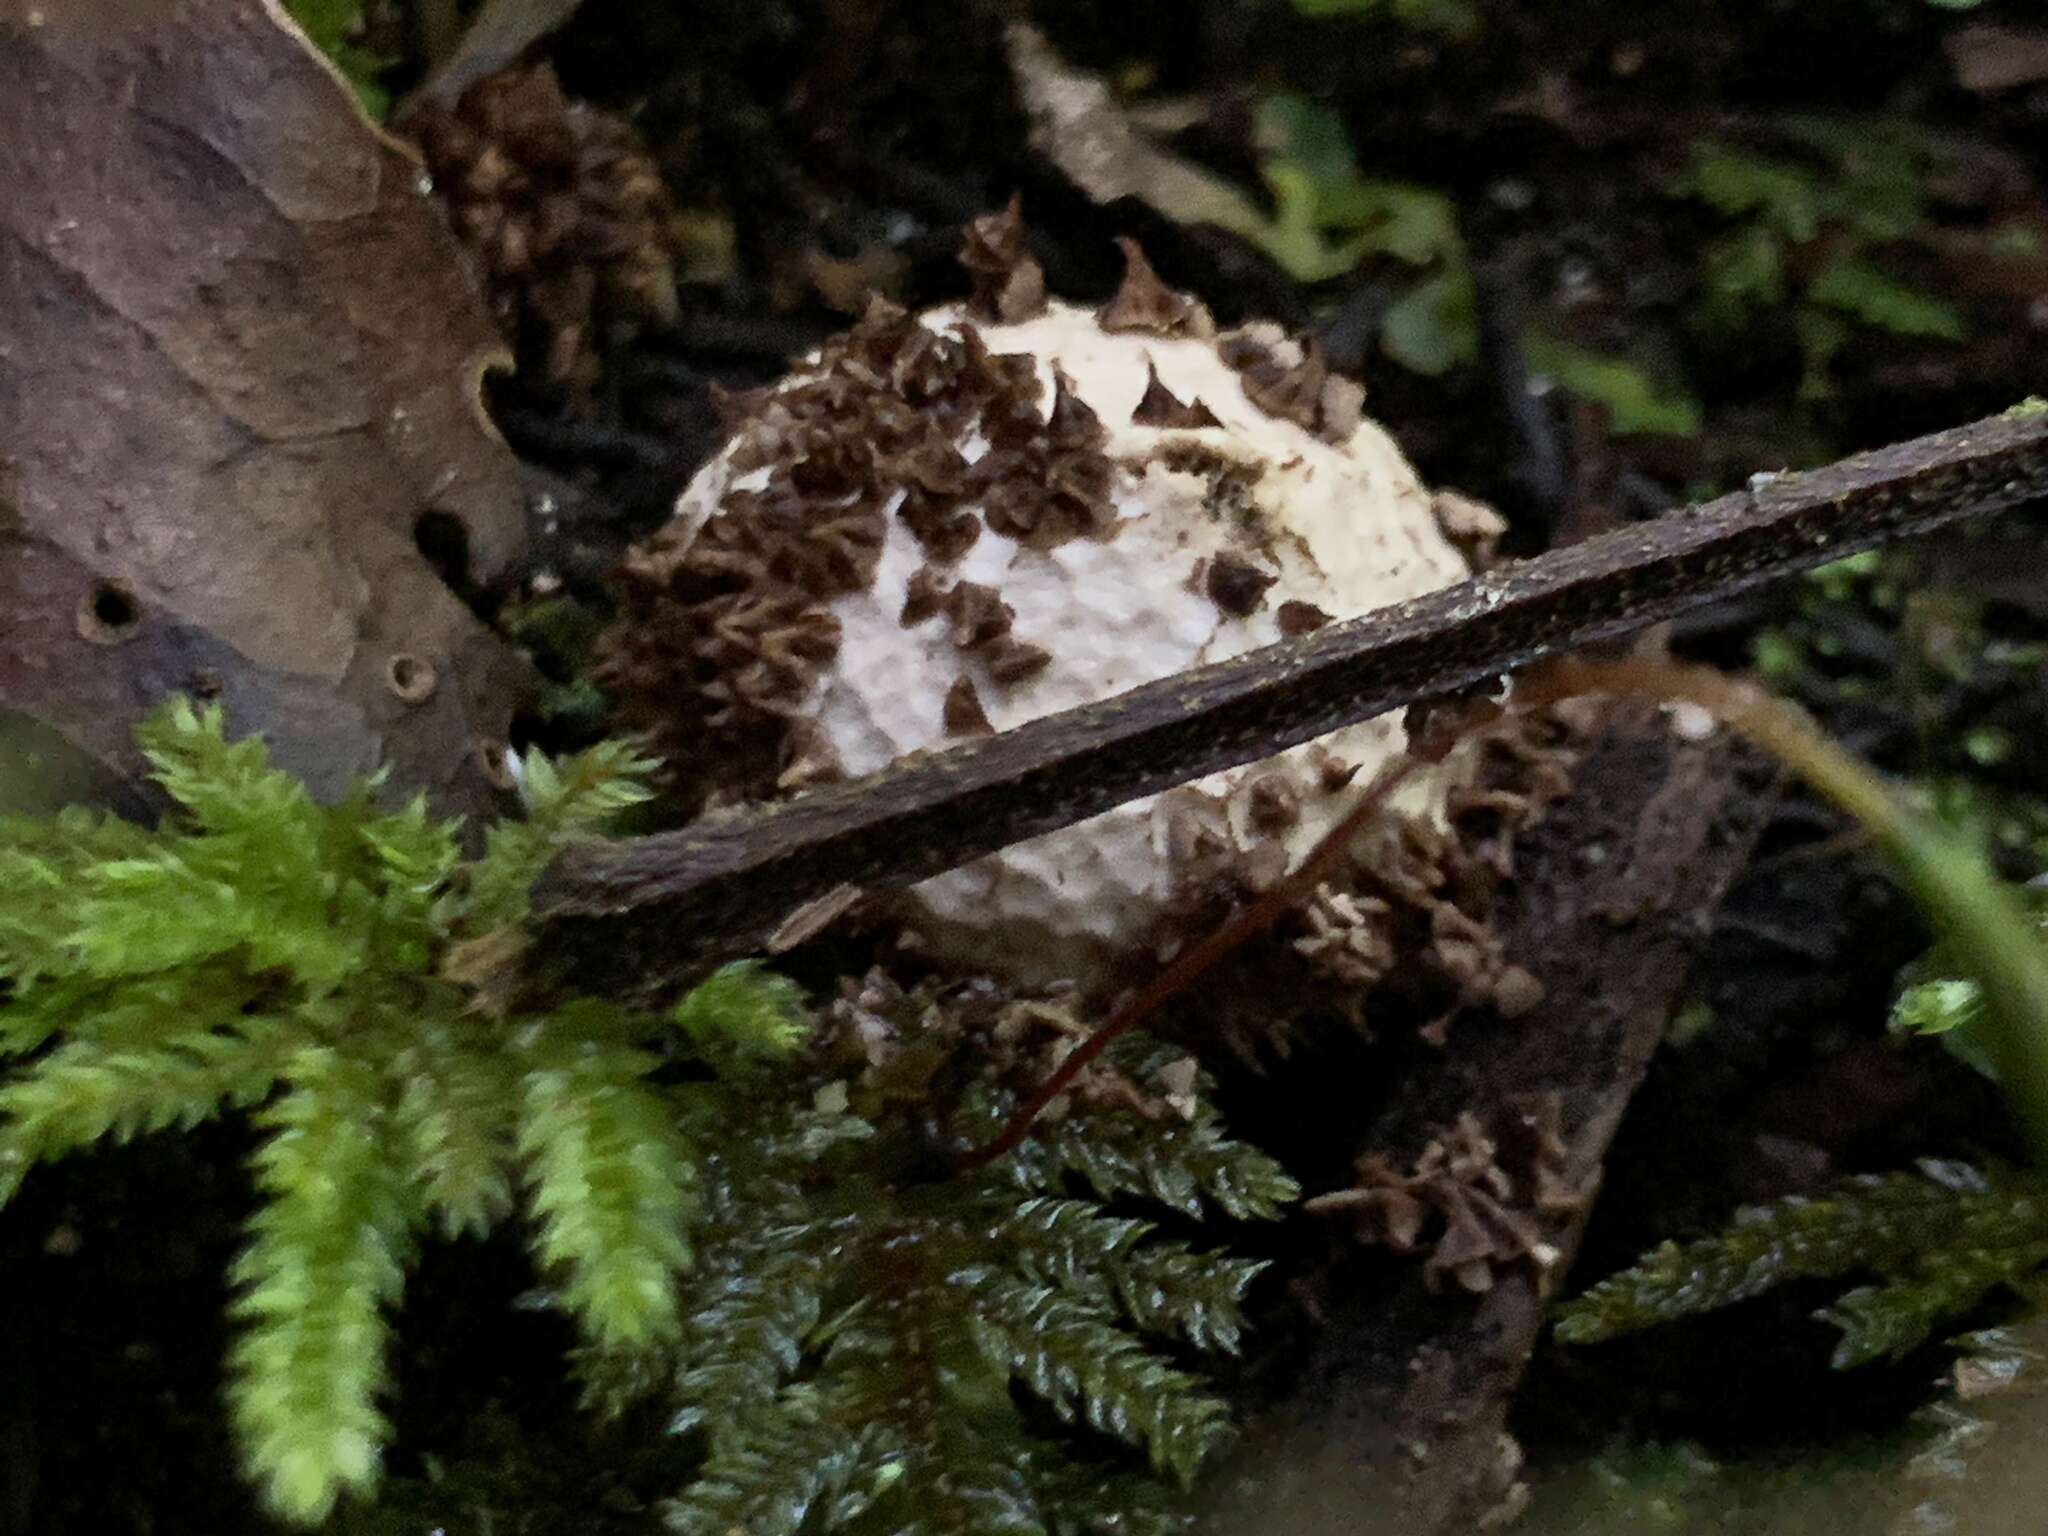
1939 997
1879 629
1937 1241
262 953
839 1331
1860 190
1634 402
1329 217
1968 1460
335 27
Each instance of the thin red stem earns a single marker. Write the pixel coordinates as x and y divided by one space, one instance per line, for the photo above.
1197 959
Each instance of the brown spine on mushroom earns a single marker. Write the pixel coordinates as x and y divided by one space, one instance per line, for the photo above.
978 615
922 596
1080 483
1291 392
1237 586
1009 285
1470 524
1273 804
1144 303
964 715
1296 617
1045 479
1013 661
722 631
1073 425
1160 407
1342 411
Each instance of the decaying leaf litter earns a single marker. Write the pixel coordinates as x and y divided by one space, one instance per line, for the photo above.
1550 466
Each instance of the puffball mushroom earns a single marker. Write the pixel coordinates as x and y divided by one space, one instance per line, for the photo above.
959 521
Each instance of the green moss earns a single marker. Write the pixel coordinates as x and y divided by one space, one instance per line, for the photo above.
888 1356
843 1336
261 952
1935 1242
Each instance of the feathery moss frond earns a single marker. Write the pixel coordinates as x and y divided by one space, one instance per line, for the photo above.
326 1255
1164 1288
573 798
1179 1165
1890 1320
773 1472
910 1311
610 1183
1074 1356
748 1338
82 1093
456 1106
1938 1240
154 978
39 861
746 1009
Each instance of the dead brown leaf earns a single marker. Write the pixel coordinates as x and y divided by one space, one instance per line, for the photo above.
1078 126
239 364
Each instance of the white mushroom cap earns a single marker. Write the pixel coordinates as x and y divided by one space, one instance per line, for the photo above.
1183 544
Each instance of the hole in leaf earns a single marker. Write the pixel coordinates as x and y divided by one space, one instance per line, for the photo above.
109 613
411 678
444 541
491 753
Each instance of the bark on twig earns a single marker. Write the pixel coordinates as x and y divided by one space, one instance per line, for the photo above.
653 914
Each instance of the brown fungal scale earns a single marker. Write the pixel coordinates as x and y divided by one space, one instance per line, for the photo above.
1236 585
964 715
1009 285
1144 303
727 622
1160 407
1298 618
1476 1199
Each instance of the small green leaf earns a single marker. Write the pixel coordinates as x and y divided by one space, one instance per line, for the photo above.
1734 181
1294 239
1434 326
1857 288
1744 272
335 28
1634 403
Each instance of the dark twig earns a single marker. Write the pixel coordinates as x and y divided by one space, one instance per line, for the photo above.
646 916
